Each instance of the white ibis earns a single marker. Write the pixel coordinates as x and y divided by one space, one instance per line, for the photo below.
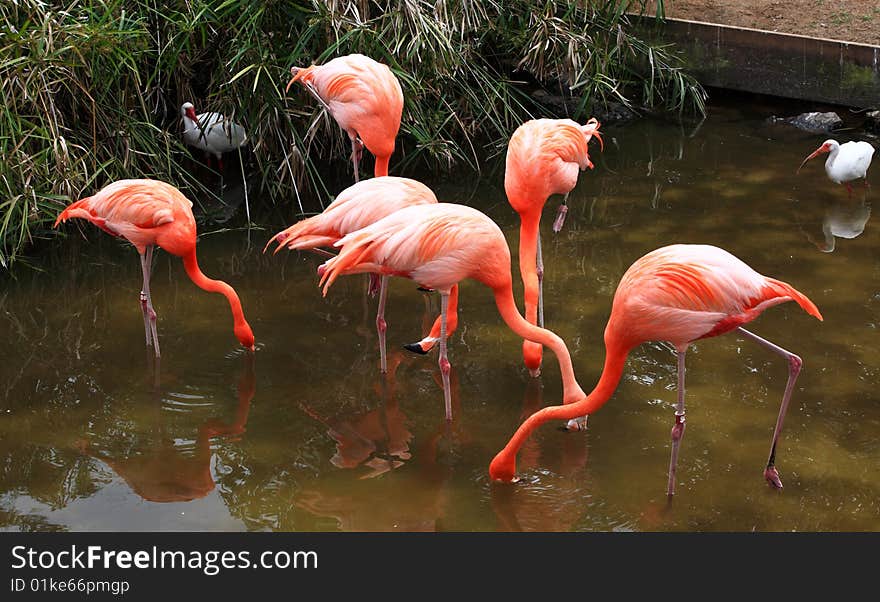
846 162
211 132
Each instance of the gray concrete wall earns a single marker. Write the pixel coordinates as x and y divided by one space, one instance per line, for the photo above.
784 65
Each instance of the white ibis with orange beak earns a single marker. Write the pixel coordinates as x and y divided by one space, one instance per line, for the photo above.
211 132
846 162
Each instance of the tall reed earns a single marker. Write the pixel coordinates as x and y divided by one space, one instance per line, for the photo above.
91 89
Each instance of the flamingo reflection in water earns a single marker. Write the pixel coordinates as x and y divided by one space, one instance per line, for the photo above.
172 473
378 439
413 484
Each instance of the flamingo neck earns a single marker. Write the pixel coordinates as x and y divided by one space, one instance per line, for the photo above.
240 325
510 314
503 466
528 256
381 166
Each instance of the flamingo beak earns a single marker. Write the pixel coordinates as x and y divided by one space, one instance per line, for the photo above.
816 153
294 71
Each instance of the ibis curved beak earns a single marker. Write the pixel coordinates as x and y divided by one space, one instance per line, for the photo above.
815 153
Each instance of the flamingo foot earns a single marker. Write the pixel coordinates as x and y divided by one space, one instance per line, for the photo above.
772 476
560 218
577 424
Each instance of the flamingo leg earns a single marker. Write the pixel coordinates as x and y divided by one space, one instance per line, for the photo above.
143 299
540 271
678 426
147 263
372 284
357 149
560 215
795 364
445 366
381 325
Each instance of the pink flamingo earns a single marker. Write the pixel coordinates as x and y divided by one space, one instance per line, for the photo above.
544 157
679 293
149 213
365 99
438 246
355 207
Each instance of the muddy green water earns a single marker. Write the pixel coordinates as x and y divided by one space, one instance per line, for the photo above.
307 436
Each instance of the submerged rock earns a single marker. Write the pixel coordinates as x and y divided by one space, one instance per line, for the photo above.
872 121
812 122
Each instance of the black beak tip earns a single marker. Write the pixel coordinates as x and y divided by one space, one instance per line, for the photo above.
415 348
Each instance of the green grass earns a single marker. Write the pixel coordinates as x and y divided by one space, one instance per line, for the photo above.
91 89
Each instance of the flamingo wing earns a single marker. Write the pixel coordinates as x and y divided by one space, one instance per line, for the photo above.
364 97
130 208
433 245
544 157
355 207
681 293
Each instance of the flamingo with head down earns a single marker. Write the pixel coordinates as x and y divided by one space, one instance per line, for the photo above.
544 157
679 294
355 207
438 246
365 99
148 213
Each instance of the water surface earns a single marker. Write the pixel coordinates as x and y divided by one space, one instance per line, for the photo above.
306 435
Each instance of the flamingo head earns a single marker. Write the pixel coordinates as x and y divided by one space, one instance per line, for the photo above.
304 74
296 72
826 147
591 129
188 110
244 334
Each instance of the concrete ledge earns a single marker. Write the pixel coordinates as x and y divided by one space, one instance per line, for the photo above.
779 64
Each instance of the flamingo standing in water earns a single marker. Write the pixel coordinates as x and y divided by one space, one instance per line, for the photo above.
355 207
214 133
365 99
679 293
846 162
149 213
438 246
544 157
